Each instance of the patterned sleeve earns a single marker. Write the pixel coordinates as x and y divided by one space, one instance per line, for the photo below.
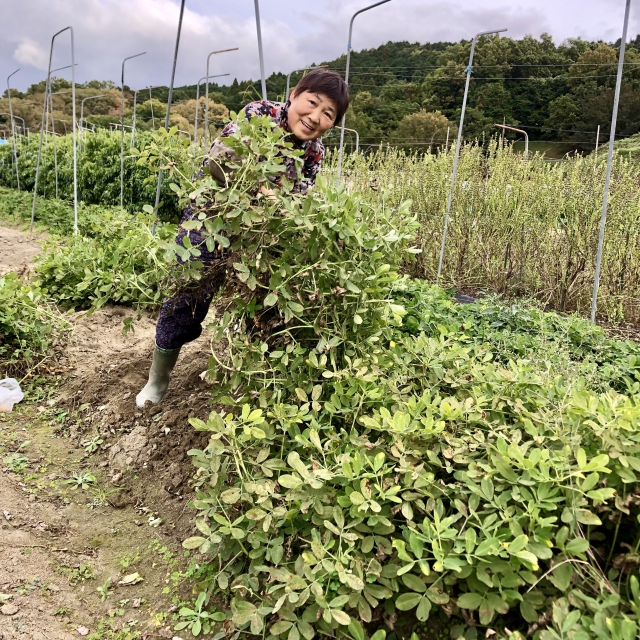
257 108
313 157
219 154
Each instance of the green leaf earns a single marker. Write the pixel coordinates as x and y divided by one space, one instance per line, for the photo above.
561 576
505 470
340 617
584 516
280 627
581 458
193 542
577 545
423 610
270 300
518 544
306 630
470 601
408 601
529 557
290 481
231 496
414 583
355 582
356 630
470 540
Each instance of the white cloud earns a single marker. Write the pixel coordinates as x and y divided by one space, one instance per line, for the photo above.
30 53
295 34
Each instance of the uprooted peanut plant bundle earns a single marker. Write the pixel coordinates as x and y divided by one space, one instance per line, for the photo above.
386 452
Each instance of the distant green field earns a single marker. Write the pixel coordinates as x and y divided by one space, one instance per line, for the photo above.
629 146
551 150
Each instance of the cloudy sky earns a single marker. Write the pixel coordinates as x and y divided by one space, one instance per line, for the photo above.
295 32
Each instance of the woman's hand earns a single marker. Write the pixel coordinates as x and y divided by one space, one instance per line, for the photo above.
267 192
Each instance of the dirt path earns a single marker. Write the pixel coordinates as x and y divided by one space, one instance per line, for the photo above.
65 548
17 249
59 542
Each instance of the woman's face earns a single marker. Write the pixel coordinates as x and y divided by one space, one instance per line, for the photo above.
311 115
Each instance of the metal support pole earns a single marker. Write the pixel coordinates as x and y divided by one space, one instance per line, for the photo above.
44 109
53 129
122 129
153 120
13 130
346 79
526 137
260 52
206 100
597 143
55 146
133 118
286 93
469 71
607 181
166 120
16 118
446 144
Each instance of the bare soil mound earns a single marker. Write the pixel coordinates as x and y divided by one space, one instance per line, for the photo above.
146 448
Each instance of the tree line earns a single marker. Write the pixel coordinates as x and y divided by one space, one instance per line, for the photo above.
410 94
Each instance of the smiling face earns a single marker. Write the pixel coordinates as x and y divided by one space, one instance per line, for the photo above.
311 115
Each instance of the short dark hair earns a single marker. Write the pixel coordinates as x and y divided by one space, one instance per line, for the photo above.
328 83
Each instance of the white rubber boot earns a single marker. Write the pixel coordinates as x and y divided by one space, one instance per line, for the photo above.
159 375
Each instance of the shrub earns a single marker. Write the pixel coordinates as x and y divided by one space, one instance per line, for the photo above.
94 221
121 263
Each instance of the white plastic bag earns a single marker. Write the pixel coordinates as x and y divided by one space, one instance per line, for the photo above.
10 393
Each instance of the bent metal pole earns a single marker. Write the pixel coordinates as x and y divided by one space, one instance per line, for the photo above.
122 129
195 125
607 180
286 91
526 137
133 119
166 119
206 99
13 130
44 109
468 71
346 78
82 143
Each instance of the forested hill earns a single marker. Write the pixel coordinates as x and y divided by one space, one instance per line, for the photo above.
558 92
411 94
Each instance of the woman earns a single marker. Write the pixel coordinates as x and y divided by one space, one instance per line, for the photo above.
317 102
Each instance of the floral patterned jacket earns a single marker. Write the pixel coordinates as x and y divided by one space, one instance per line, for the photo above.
277 111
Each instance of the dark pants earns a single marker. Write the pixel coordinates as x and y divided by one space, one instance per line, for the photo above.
180 320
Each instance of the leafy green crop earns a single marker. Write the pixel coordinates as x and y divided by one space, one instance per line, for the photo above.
98 171
386 452
29 326
125 268
518 227
567 345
